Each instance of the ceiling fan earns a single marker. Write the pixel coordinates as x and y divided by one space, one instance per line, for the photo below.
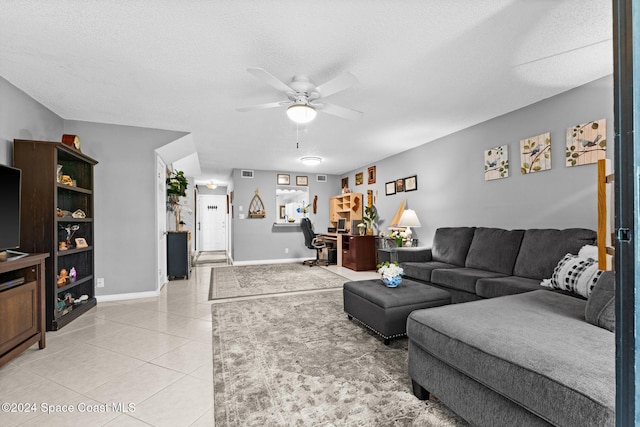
304 97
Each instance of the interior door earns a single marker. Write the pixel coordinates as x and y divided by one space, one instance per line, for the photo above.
212 222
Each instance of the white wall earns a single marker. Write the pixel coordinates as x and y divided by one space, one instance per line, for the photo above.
258 239
125 207
22 117
451 186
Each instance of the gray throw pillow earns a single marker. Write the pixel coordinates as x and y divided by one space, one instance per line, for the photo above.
600 309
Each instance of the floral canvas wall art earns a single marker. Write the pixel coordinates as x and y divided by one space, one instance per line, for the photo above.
586 143
535 154
496 163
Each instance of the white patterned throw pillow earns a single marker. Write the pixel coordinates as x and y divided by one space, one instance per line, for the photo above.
574 274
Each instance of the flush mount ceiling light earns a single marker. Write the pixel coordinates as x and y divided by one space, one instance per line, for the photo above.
311 160
211 186
301 113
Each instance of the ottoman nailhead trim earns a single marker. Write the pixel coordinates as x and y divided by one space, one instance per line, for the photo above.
373 330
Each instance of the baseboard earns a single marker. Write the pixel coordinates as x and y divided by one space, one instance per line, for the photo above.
272 261
132 295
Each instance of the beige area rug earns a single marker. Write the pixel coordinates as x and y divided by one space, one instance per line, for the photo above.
211 257
296 360
264 279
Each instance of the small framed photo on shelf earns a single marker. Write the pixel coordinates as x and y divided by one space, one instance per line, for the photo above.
399 185
411 183
360 178
282 212
283 179
390 188
302 180
81 242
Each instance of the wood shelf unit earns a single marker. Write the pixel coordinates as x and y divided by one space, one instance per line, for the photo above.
22 317
348 206
41 229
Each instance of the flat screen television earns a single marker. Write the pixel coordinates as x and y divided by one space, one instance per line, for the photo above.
10 185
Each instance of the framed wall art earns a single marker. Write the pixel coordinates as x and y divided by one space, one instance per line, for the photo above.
345 182
360 178
283 179
399 185
390 188
371 175
535 154
496 163
411 183
302 180
586 143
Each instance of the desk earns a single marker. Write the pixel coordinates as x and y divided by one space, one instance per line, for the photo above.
354 251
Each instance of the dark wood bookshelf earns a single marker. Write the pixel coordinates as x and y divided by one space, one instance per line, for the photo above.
41 229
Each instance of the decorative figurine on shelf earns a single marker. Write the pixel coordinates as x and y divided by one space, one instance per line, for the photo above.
73 274
71 230
63 277
62 246
66 180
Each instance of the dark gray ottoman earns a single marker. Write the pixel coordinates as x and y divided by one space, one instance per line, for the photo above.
385 310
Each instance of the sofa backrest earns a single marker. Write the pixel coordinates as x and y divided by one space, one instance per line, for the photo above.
494 249
451 244
542 249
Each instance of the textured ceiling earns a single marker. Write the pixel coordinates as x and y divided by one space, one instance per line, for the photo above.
426 68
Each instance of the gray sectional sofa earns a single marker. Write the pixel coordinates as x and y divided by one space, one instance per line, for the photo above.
513 353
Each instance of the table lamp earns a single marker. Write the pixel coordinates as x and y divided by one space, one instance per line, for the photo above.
409 219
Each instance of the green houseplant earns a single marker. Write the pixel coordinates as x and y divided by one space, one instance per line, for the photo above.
176 186
369 218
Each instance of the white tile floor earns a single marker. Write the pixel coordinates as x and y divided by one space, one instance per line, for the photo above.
150 356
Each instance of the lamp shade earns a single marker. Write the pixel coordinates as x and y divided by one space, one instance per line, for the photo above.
301 113
409 219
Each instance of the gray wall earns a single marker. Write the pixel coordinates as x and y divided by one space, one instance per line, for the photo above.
257 239
125 188
451 186
22 117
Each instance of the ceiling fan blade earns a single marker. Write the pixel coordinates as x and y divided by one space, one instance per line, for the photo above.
270 79
337 84
336 110
263 106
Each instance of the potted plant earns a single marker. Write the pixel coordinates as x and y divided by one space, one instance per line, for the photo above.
176 186
369 218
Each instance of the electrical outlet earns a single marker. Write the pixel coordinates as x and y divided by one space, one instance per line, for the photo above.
286 250
100 282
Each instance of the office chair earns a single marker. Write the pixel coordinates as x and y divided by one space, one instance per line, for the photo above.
312 242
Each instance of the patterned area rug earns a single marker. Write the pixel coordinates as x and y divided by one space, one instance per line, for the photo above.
249 280
211 257
296 360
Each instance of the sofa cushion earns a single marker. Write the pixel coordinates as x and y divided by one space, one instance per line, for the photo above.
501 286
451 244
494 249
574 274
463 278
422 270
600 309
535 348
541 249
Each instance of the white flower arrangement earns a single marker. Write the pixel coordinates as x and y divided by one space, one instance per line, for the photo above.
389 270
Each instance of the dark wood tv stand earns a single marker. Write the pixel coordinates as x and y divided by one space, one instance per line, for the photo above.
22 317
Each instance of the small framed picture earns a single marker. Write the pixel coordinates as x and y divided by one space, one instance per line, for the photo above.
360 178
345 182
81 243
371 172
399 185
390 188
302 180
411 183
282 212
283 179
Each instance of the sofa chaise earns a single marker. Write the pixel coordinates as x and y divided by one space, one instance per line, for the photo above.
514 353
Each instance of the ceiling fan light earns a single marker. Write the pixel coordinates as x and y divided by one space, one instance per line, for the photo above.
301 113
311 160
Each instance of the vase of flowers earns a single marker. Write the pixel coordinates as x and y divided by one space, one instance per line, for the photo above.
391 273
399 237
362 228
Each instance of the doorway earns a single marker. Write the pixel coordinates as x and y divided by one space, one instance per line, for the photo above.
212 223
